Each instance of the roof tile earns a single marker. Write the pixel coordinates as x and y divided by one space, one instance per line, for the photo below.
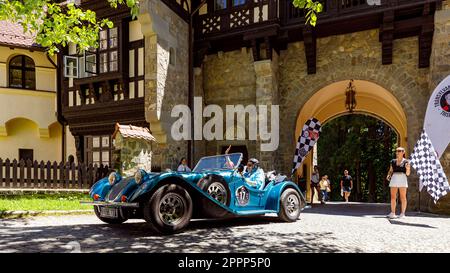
12 34
130 131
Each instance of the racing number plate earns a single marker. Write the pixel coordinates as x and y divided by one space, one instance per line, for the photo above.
109 212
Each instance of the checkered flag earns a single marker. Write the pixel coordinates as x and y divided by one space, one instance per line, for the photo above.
431 174
306 141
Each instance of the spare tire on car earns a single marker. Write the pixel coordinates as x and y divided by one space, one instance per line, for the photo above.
216 187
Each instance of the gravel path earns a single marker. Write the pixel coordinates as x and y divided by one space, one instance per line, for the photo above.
334 227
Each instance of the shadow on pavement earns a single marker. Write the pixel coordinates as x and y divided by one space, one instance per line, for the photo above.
230 235
395 222
378 210
349 209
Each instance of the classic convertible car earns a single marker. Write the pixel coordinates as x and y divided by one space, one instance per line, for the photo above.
214 189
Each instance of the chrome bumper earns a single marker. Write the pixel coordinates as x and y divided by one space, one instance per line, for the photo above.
110 204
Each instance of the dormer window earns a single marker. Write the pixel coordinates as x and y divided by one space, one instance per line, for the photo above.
22 73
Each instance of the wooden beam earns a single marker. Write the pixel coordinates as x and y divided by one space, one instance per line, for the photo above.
426 38
255 50
309 39
201 49
387 29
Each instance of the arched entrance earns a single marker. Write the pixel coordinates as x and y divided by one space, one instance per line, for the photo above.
372 99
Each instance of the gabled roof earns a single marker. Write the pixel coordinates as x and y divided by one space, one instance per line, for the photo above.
11 34
130 131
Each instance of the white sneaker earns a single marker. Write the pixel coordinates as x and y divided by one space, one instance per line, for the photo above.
402 215
392 215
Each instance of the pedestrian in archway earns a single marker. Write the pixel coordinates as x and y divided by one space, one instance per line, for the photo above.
346 185
398 172
324 188
315 179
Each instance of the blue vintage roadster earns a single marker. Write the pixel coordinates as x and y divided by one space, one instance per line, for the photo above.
169 200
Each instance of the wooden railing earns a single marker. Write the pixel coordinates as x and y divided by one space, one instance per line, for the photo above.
40 175
283 12
253 12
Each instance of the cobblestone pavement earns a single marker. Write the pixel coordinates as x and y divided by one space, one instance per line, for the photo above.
334 227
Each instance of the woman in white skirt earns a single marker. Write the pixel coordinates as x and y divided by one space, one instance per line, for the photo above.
398 172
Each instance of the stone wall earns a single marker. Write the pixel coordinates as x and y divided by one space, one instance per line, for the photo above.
132 154
227 79
166 76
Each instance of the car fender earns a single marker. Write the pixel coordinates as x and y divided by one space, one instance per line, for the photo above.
101 187
148 184
273 197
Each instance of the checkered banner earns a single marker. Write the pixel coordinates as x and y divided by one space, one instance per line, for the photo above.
426 162
306 141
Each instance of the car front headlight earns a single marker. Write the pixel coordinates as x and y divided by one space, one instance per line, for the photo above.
138 177
112 178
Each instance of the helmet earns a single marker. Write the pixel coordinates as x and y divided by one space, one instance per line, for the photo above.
254 161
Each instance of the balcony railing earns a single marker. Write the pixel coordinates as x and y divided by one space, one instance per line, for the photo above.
283 12
253 12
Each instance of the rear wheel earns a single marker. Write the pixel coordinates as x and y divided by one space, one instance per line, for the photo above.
118 220
169 210
290 205
218 189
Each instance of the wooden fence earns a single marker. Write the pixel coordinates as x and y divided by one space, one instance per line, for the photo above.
41 175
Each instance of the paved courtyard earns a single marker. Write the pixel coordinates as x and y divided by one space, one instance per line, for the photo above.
335 227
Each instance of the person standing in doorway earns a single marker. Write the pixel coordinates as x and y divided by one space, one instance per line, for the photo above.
398 171
182 166
346 185
315 179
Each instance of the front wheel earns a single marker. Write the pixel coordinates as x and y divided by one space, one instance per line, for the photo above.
290 205
169 210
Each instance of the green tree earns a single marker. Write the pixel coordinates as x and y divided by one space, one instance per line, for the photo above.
364 146
57 23
313 8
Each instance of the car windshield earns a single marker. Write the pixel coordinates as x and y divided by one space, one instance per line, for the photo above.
229 161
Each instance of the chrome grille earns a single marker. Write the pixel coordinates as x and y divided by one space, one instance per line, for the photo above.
117 188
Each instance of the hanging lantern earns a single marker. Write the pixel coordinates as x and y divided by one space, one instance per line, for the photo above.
350 97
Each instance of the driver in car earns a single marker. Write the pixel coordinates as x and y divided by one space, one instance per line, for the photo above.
253 174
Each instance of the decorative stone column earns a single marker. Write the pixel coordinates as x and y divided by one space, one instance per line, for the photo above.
266 72
166 77
200 145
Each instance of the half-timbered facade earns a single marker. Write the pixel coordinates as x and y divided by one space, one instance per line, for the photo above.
108 86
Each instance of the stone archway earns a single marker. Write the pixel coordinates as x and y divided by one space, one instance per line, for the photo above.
372 99
352 56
